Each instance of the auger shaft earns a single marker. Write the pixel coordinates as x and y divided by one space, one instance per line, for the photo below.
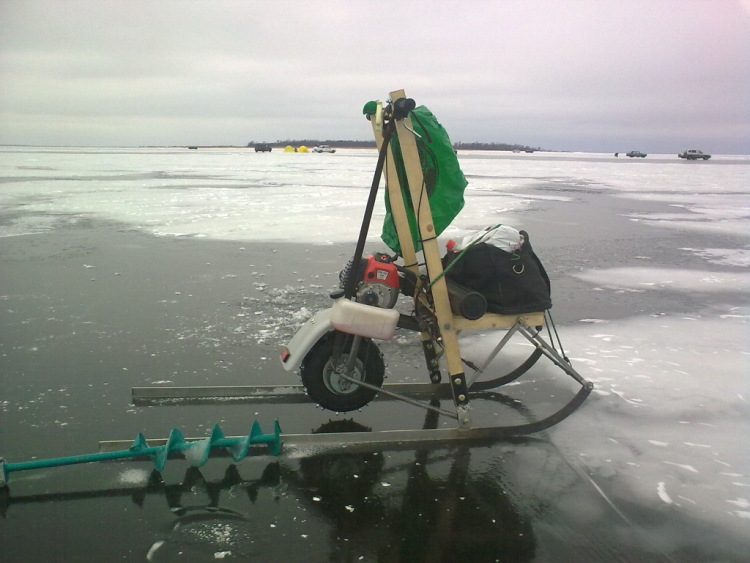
196 452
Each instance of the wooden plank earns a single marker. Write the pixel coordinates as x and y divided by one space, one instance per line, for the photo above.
419 197
439 290
493 321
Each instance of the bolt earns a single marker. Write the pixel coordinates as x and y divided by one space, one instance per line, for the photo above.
462 398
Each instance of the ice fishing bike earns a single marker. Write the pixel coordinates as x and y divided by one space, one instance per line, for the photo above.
340 364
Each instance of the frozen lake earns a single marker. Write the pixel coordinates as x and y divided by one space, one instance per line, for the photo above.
129 267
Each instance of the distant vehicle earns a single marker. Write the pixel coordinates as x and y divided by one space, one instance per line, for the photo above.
323 148
262 147
636 154
694 154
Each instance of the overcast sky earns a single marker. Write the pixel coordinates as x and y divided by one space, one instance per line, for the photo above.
596 75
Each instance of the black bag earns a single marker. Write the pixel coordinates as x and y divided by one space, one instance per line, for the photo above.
512 283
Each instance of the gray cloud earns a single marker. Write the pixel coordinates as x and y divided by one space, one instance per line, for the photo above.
571 75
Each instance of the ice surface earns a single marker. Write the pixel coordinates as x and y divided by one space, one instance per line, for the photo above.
236 194
654 279
134 476
670 410
668 422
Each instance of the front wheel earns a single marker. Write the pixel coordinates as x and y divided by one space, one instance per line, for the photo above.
321 374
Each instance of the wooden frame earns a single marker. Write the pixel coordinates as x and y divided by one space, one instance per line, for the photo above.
448 323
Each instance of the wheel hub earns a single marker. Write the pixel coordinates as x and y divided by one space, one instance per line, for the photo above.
333 379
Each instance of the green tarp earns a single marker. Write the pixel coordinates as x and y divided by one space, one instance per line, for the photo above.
443 179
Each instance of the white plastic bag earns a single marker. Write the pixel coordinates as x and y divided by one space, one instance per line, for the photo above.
503 237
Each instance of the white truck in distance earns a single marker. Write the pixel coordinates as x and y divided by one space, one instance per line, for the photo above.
324 148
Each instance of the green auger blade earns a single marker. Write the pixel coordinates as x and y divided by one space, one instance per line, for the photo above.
196 452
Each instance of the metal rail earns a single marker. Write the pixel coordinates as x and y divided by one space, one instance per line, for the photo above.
288 394
398 439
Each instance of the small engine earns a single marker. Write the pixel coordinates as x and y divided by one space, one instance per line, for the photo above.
378 280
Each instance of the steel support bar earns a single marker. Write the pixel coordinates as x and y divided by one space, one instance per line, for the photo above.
479 371
554 355
399 397
288 394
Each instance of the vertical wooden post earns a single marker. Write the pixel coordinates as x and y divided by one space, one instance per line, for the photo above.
443 313
403 231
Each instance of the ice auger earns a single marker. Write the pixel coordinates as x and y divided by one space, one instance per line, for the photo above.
195 451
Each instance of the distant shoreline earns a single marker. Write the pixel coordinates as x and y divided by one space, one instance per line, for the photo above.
280 146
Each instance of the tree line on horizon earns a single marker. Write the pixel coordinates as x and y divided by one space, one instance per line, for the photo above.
348 144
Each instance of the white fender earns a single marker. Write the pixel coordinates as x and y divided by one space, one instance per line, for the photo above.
302 342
